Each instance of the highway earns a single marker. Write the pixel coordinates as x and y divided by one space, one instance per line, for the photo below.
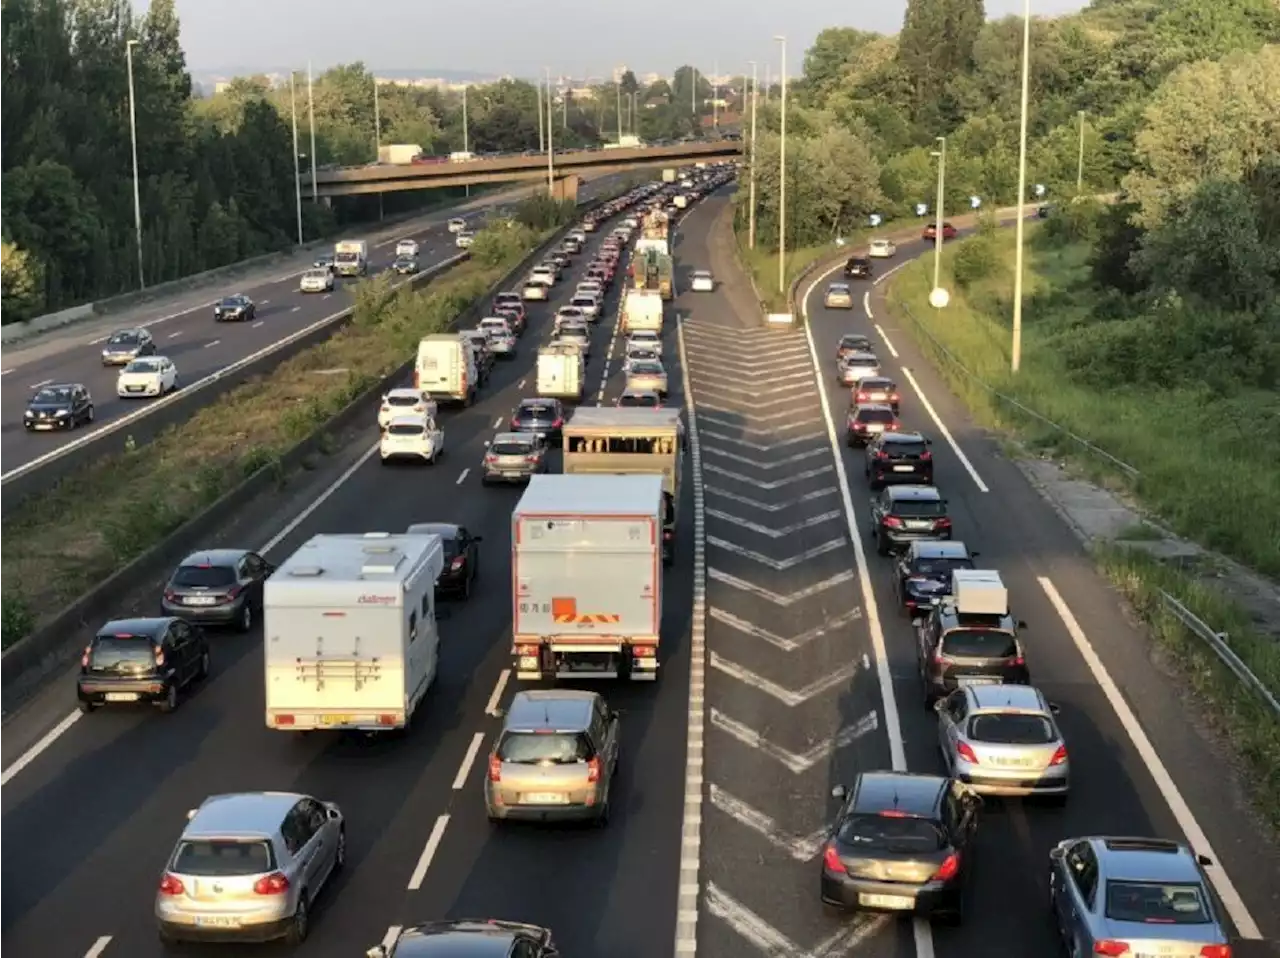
187 334
119 784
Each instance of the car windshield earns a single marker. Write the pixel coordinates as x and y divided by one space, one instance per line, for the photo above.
211 576
1157 903
511 448
582 302
875 415
978 644
837 288
401 399
405 429
646 369
854 342
919 508
1011 729
639 399
231 301
891 833
124 339
535 412
54 394
110 651
495 326
940 566
639 355
529 748
901 450
223 857
143 366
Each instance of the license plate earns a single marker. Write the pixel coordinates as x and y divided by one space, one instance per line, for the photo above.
200 600
512 474
919 525
1013 762
336 719
903 468
876 427
966 680
122 696
544 798
878 397
217 921
899 902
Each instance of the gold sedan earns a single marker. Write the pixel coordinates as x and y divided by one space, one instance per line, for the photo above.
839 296
646 376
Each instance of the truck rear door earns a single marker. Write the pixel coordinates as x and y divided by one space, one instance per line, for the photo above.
439 367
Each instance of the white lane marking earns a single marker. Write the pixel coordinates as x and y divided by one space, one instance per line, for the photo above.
98 947
866 305
769 941
31 754
686 936
796 762
211 343
265 302
295 309
325 296
491 707
428 853
887 273
801 848
1226 889
463 478
43 382
5 372
497 423
520 384
174 335
468 760
885 336
390 938
788 697
946 433
259 322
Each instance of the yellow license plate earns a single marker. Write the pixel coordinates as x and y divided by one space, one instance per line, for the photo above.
336 719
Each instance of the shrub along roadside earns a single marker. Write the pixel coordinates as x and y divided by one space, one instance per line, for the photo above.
96 520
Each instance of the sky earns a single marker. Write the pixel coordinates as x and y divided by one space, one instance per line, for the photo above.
520 37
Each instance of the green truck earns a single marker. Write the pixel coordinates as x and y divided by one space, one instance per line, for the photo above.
652 269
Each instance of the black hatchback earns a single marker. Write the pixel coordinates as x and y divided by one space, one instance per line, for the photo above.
858 267
461 557
151 661
902 514
58 406
901 843
899 457
468 938
217 587
544 416
922 574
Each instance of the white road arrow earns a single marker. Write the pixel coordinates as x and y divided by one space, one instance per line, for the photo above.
797 762
775 532
774 944
782 600
788 697
778 464
763 484
777 641
778 565
768 506
802 848
705 434
788 419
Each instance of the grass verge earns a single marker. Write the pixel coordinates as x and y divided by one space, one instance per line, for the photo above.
1250 725
1201 456
762 265
95 521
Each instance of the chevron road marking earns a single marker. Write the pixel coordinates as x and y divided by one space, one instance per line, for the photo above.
776 533
771 507
773 943
748 430
783 600
799 390
762 484
788 697
774 361
789 415
802 848
777 641
716 334
760 447
778 565
797 457
717 379
796 762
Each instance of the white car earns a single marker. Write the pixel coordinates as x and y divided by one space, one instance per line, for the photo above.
638 354
406 247
589 304
502 341
568 315
465 239
405 401
533 289
411 437
644 339
316 281
881 249
147 376
702 281
457 224
589 288
542 276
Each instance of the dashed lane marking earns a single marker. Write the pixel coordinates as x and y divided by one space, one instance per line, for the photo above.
98 947
888 345
260 322
428 852
211 343
491 707
468 760
463 478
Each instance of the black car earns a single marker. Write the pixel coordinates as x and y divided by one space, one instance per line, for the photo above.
901 843
865 423
899 457
484 355
1044 211
238 308
217 587
902 514
858 267
922 573
851 343
58 406
560 258
469 939
324 262
126 345
141 660
954 648
406 265
539 415
461 557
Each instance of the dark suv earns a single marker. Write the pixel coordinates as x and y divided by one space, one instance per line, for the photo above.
955 649
899 457
141 660
545 416
858 267
902 514
217 587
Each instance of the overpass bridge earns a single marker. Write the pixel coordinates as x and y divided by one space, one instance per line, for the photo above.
568 167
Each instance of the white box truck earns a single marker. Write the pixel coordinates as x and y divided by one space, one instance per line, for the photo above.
399 153
586 566
642 310
562 372
351 257
445 369
350 638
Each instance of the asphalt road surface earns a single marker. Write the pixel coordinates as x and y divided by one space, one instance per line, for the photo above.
89 823
188 335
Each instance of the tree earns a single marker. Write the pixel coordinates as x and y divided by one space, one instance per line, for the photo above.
627 82
834 51
685 89
936 44
20 282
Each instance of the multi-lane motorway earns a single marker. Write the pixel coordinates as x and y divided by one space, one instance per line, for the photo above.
809 678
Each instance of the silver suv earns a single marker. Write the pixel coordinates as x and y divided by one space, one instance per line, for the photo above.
248 867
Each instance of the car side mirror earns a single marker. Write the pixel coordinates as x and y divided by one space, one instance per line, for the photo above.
1205 861
1054 708
1056 853
334 814
838 791
939 704
191 813
928 442
974 555
377 951
1022 624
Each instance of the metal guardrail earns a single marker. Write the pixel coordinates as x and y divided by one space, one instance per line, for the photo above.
1219 644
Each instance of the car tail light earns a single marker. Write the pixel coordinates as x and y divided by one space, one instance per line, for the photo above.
966 752
526 650
1059 756
458 563
881 454
861 397
1110 948
233 592
1215 951
948 869
831 861
490 457
532 457
926 456
893 522
593 770
274 884
943 523
515 423
171 885
1018 660
170 595
84 656
558 423
894 397
284 719
939 657
158 653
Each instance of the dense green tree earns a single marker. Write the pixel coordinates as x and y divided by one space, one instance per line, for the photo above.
935 47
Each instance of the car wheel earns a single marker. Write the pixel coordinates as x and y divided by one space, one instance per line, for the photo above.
203 672
465 590
167 940
300 925
244 622
170 700
86 707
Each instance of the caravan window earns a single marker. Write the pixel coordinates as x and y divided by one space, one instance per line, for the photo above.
623 445
426 604
413 626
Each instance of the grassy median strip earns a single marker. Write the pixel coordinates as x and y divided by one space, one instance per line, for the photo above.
62 543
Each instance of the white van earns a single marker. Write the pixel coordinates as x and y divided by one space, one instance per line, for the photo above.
445 369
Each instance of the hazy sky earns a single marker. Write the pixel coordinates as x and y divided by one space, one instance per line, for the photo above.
574 37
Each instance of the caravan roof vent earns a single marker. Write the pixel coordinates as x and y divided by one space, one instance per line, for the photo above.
309 571
383 562
377 535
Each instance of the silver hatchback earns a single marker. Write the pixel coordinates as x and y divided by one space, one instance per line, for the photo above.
248 868
514 457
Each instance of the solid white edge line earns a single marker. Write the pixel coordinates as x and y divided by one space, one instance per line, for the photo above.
468 760
389 939
34 752
1155 766
98 947
687 901
866 305
885 336
491 708
922 931
428 852
946 433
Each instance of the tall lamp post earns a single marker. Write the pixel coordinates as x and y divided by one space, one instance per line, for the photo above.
466 133
751 200
1015 351
941 154
782 175
377 136
133 138
715 98
311 118
297 173
551 170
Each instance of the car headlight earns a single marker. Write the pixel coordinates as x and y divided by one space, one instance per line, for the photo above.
63 412
28 415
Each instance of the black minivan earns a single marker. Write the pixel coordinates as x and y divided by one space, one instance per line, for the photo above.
150 661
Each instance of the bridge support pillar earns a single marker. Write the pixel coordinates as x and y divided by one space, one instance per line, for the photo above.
566 188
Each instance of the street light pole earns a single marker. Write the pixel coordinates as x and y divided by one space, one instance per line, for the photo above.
1080 159
542 140
1015 351
551 170
377 137
618 90
751 200
133 139
311 116
715 98
782 177
466 135
297 175
939 211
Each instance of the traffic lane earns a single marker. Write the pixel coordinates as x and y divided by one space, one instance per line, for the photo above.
1113 791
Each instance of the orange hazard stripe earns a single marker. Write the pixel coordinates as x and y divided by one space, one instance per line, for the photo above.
600 618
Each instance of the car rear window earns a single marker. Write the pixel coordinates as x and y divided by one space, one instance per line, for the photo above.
210 576
511 448
853 342
979 644
941 567
891 833
112 650
535 412
919 508
641 401
902 450
223 857
1011 729
405 429
875 415
646 369
583 302
534 748
394 400
495 325
1157 903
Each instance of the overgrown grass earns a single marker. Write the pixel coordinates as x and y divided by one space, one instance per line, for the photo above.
762 265
1208 462
1248 722
63 542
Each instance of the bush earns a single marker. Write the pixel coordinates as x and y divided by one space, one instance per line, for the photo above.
540 212
1076 222
976 259
501 243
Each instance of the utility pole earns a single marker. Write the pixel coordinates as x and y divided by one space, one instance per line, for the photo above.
311 114
1015 351
782 177
618 89
377 137
297 174
551 168
941 202
542 140
751 214
466 136
133 139
1080 159
715 97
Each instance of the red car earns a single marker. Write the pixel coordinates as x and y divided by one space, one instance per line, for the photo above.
931 232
